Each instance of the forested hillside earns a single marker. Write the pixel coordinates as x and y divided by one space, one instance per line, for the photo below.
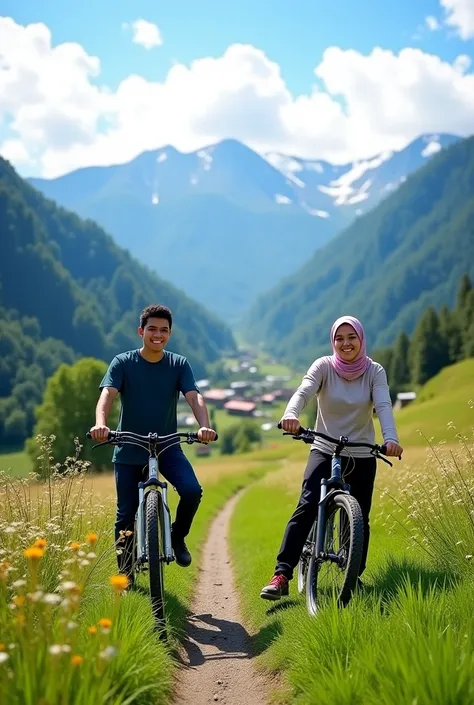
67 290
387 268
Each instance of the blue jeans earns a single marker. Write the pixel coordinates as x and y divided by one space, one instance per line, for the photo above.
178 471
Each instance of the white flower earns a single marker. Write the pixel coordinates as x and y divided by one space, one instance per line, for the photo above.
68 585
55 649
108 653
51 599
3 657
19 583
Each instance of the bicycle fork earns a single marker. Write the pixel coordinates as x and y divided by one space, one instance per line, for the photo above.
152 485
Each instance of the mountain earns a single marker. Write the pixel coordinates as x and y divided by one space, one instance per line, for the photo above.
67 290
385 268
218 221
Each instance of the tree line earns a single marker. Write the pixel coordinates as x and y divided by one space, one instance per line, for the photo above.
440 338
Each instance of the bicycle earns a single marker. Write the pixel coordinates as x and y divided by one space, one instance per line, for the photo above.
152 530
329 543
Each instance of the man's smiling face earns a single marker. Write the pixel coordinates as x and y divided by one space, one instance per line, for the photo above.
155 334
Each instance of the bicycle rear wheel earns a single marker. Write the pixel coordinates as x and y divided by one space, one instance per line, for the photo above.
343 540
155 555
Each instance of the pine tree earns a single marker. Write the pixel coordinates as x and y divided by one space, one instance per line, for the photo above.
465 287
399 370
428 353
451 331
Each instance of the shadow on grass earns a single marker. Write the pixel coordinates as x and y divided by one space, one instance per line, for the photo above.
396 574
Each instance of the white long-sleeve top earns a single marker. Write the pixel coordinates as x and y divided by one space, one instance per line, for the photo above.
345 408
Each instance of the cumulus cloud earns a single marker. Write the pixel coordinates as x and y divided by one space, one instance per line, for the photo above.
144 33
460 14
360 104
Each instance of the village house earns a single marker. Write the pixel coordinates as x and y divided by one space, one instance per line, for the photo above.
240 408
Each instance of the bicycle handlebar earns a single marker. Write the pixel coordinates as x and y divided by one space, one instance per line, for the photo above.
130 437
307 435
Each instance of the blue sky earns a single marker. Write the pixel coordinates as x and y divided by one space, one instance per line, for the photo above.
293 34
362 101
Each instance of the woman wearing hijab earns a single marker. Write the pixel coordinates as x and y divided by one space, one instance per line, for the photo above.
348 386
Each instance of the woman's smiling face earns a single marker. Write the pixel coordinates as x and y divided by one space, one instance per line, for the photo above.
347 342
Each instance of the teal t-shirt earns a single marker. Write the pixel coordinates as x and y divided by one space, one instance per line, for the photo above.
149 393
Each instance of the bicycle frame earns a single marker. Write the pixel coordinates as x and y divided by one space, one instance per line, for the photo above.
153 483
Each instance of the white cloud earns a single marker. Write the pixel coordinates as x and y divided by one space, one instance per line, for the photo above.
16 152
432 23
53 103
460 14
145 33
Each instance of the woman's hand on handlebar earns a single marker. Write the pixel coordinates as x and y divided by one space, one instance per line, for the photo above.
100 433
290 425
393 450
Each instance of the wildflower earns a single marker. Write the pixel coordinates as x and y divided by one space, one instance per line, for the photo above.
71 625
108 653
69 586
55 649
92 539
35 596
40 543
92 630
76 660
19 583
105 624
19 600
3 657
52 599
2 647
33 553
74 546
119 582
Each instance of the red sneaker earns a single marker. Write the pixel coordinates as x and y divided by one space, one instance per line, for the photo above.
276 588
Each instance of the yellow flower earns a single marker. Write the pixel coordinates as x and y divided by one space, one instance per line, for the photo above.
105 623
92 630
119 582
92 538
2 647
33 553
19 600
20 619
77 660
74 546
40 543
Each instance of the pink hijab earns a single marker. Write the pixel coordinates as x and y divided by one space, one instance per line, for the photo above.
356 368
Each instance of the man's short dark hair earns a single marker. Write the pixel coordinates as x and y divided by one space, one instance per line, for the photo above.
155 311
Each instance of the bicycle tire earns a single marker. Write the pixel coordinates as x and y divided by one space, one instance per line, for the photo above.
304 560
350 506
155 555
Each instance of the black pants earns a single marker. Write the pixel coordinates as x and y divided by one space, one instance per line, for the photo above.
361 479
176 468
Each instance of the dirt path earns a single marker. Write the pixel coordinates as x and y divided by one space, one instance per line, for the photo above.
217 664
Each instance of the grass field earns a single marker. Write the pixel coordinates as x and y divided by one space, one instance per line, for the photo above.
409 637
444 407
84 658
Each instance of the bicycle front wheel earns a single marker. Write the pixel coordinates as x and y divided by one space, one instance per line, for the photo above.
305 558
334 576
155 554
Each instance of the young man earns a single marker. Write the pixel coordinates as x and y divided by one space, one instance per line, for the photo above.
149 381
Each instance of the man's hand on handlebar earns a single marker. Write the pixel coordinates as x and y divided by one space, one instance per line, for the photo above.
100 433
393 449
206 435
290 425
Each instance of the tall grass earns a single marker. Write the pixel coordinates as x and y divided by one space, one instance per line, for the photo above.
408 638
68 634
